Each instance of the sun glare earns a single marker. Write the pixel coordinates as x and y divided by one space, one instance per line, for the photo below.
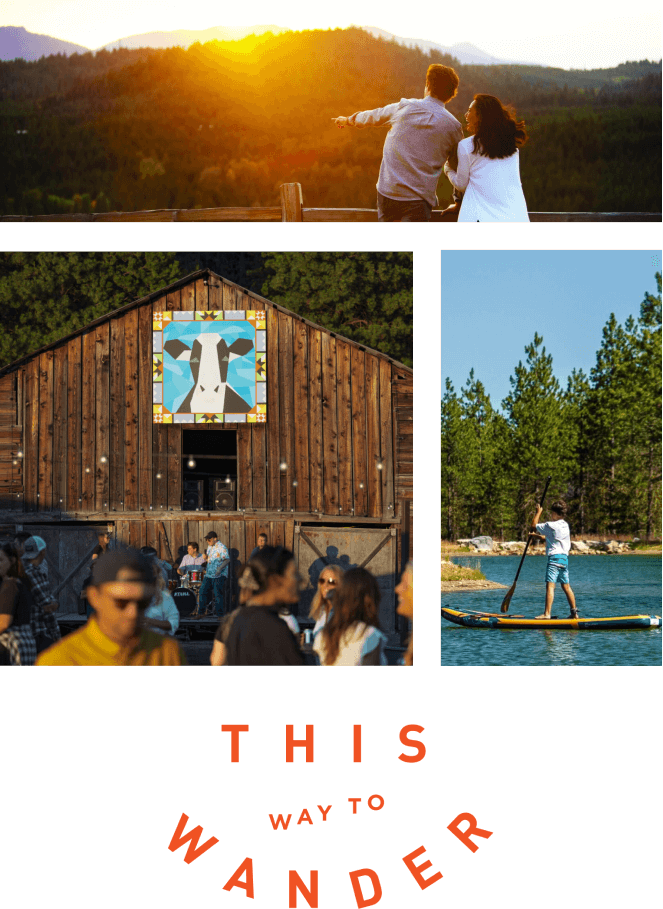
249 46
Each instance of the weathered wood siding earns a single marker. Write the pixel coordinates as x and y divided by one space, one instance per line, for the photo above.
337 441
11 441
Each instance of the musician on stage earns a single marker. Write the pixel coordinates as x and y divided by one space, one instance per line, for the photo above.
192 560
216 575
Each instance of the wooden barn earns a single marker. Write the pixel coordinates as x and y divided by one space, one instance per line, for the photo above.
313 444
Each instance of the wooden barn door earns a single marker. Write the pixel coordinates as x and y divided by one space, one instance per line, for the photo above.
68 554
349 547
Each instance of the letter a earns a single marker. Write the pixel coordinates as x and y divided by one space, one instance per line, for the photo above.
236 879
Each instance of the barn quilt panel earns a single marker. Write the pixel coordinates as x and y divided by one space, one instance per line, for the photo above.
209 367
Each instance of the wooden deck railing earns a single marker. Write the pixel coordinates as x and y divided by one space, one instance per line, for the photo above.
292 209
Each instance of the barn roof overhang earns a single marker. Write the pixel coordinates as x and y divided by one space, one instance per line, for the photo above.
176 285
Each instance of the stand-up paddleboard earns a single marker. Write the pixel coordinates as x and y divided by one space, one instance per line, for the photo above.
497 620
490 615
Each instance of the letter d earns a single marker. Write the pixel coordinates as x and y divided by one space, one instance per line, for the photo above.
356 886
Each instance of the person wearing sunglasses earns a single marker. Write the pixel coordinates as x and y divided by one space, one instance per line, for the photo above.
330 578
120 591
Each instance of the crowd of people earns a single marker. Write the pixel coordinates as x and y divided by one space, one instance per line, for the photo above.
132 616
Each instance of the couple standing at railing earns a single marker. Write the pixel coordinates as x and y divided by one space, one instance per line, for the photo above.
424 138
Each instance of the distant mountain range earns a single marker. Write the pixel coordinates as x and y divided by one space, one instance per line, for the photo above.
464 52
186 37
18 42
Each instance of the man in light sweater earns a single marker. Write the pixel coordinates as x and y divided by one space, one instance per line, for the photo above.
422 134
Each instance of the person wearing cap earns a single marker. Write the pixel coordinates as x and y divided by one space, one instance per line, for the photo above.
120 591
43 620
215 576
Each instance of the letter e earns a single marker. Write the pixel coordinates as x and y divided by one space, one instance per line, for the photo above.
417 870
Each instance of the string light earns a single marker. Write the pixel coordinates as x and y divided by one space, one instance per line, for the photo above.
191 464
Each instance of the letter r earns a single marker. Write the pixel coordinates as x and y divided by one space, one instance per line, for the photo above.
472 830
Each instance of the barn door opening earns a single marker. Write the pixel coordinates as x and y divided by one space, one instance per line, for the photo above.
209 470
349 547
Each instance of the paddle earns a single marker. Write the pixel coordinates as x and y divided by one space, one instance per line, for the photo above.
507 599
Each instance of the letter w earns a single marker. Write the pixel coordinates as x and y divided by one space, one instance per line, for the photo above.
192 852
279 820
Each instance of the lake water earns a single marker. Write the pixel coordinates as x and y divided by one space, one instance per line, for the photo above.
603 586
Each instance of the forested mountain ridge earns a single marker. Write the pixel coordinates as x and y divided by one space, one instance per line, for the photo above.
16 41
226 123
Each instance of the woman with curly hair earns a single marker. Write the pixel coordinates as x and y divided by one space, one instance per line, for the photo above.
487 165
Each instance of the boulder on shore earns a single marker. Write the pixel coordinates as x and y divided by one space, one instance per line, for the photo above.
512 546
579 546
480 544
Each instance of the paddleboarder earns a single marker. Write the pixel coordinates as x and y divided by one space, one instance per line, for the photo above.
557 535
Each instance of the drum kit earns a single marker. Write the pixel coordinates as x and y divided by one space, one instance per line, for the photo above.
186 591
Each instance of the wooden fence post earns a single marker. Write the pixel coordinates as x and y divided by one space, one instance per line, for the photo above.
291 202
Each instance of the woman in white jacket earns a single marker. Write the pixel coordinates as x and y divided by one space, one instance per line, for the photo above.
487 169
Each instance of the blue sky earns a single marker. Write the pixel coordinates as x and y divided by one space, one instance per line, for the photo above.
494 301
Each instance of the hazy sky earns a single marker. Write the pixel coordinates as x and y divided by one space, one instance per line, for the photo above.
494 301
582 35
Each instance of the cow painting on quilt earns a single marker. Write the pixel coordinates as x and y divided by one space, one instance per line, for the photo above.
209 367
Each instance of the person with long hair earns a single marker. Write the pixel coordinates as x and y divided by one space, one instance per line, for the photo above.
351 636
17 643
328 584
487 164
421 134
162 614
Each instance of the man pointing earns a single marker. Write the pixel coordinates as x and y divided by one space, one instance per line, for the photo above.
422 134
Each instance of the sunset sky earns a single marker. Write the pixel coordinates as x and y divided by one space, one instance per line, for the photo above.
569 34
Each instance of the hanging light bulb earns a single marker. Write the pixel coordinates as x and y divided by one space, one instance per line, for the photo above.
19 454
103 459
191 464
159 476
87 470
380 465
295 483
361 485
283 465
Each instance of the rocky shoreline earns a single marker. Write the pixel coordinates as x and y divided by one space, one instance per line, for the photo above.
447 586
486 546
542 552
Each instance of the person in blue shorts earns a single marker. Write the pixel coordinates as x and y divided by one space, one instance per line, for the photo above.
557 535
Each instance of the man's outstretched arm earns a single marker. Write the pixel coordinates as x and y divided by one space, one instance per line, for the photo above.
378 117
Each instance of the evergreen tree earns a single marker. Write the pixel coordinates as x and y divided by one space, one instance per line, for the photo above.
452 435
540 442
364 296
45 296
600 439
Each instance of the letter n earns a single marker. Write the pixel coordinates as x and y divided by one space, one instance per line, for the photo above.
295 883
236 879
356 886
